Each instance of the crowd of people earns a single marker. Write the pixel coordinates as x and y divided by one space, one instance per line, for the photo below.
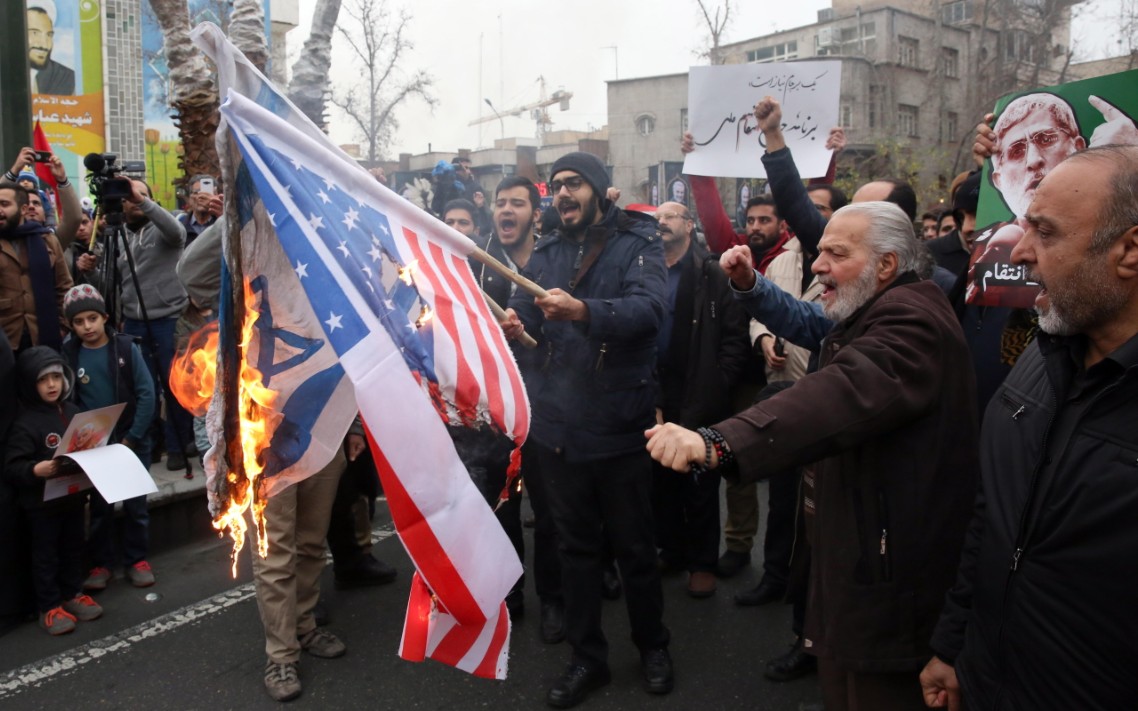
948 487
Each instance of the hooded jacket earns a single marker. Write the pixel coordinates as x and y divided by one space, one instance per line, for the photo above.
598 390
39 427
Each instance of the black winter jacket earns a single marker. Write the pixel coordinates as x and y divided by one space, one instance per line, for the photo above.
709 348
1044 613
598 390
38 429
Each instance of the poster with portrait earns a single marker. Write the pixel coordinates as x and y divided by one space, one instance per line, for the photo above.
65 61
675 186
1035 131
745 189
87 430
653 196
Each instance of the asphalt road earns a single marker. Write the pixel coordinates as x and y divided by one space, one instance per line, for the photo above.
200 646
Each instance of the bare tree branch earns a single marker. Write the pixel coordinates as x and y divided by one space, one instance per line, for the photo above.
379 43
715 28
310 71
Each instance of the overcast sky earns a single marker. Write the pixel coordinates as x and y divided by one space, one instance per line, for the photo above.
477 49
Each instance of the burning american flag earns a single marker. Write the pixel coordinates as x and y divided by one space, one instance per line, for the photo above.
417 356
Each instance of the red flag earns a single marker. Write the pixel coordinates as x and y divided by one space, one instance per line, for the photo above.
43 170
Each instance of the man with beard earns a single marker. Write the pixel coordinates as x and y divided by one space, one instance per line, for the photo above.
48 75
33 275
886 431
1041 613
155 239
70 210
701 353
597 326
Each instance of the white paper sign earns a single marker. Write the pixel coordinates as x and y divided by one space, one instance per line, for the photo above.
114 470
721 119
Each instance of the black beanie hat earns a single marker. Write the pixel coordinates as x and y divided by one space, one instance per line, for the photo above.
589 167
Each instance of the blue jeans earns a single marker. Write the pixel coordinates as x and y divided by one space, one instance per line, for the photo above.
176 415
136 524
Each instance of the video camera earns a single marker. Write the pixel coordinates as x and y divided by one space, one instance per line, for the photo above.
107 186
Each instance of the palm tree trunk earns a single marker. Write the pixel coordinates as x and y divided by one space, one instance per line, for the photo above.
247 31
193 94
310 71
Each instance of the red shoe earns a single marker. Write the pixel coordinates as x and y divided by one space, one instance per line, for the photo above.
57 621
140 575
97 579
84 608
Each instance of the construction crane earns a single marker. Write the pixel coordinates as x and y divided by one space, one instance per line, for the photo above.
537 110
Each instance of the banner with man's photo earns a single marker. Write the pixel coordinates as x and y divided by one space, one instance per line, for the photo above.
1035 131
65 60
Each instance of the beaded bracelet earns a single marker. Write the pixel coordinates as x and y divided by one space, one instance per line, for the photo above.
713 439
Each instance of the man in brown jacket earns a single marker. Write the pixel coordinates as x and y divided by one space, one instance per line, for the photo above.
886 430
33 276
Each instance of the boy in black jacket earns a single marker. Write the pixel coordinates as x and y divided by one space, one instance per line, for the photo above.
44 382
110 370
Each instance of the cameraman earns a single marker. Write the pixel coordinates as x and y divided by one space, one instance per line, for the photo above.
69 210
155 239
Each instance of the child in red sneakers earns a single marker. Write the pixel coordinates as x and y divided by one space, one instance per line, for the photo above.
110 369
44 382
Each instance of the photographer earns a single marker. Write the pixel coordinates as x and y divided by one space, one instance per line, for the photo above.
69 209
155 239
203 208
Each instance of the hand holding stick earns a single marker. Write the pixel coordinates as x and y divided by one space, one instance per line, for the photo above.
525 339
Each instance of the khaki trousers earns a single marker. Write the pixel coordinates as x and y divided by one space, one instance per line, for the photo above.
288 580
742 516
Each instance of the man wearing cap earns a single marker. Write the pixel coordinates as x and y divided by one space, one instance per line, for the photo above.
603 269
48 75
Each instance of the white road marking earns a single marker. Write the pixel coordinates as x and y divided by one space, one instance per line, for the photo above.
40 672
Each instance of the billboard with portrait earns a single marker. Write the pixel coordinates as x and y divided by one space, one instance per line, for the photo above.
65 61
1036 130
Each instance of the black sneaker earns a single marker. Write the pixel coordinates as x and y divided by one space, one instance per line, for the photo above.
658 675
794 664
364 572
552 621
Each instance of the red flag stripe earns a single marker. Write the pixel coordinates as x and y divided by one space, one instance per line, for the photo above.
456 644
467 390
489 375
422 544
518 421
489 667
417 624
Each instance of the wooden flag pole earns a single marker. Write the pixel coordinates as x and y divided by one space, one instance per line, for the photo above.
526 285
525 339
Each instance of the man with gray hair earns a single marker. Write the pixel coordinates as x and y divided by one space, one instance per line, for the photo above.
885 430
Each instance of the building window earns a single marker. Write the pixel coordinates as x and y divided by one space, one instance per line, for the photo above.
776 53
847 116
907 120
1018 46
951 123
908 51
875 93
956 13
645 124
950 62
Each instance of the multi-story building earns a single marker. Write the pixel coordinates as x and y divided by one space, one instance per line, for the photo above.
917 75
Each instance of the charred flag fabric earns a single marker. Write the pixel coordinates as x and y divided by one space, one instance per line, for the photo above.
356 250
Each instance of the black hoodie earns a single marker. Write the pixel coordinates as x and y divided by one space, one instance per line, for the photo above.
38 428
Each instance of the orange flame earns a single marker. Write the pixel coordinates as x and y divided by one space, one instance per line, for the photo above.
194 370
193 379
405 272
425 315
